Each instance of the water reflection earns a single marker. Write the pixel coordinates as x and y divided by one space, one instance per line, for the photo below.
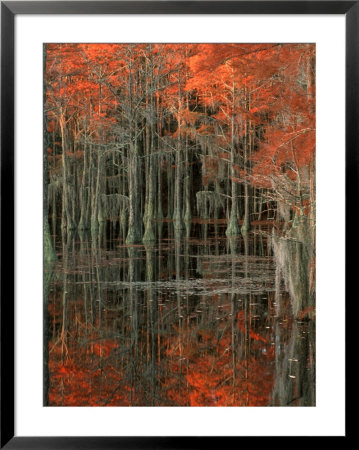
181 322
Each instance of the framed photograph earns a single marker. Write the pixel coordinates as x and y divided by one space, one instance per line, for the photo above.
176 179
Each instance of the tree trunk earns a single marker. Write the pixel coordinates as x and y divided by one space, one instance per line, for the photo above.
233 227
134 223
67 216
150 235
48 251
83 223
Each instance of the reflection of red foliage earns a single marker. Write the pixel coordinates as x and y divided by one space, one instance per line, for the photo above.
77 381
210 375
198 368
105 348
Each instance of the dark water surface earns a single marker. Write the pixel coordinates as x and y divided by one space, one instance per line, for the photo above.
181 322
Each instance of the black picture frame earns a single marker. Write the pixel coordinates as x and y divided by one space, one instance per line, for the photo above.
9 9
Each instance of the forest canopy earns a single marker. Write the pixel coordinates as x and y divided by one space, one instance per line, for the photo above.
139 133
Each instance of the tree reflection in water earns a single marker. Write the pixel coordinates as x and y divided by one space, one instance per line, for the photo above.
180 322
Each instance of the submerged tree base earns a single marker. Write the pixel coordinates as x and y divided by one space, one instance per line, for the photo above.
149 235
233 228
245 228
133 238
49 252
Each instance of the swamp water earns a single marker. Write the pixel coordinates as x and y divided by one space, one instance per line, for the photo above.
183 322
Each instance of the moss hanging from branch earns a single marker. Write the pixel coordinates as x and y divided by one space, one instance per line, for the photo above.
113 205
208 201
293 254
